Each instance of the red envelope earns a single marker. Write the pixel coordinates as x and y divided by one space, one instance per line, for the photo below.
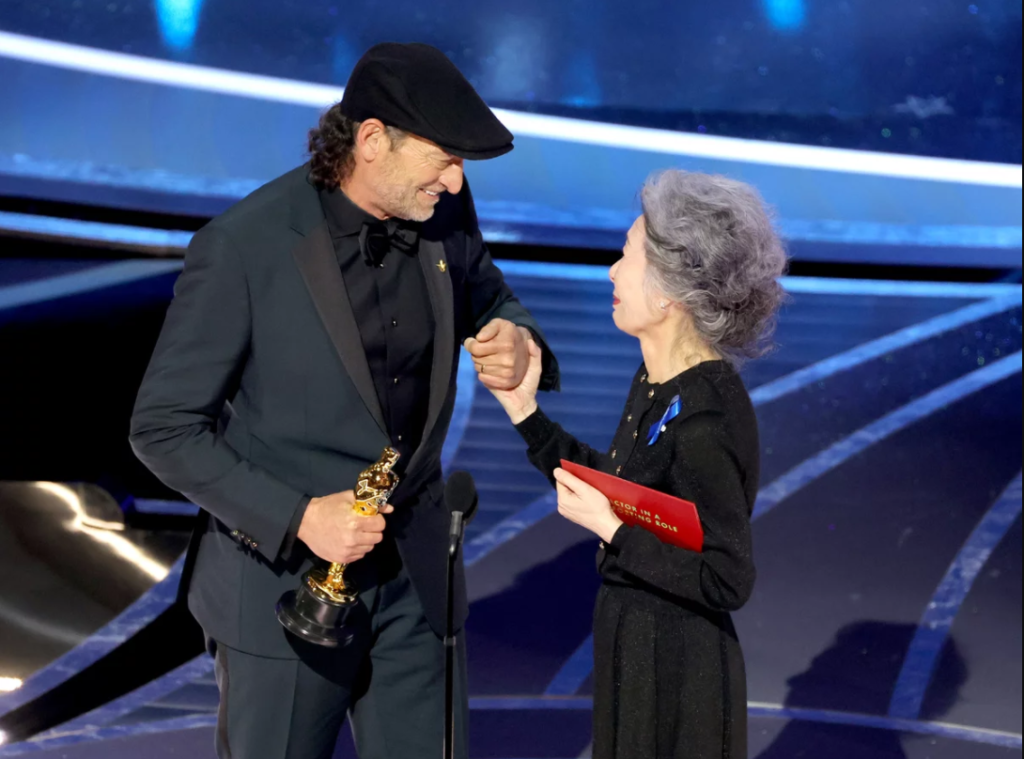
671 519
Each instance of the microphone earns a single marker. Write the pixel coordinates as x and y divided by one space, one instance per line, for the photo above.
461 498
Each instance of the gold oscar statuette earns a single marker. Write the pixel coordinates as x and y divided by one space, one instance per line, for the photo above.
318 610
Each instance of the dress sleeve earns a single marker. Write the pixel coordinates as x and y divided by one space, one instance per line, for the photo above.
549 444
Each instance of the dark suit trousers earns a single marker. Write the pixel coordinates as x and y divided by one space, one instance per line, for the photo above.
389 681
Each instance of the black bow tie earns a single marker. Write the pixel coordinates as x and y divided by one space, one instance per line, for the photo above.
376 238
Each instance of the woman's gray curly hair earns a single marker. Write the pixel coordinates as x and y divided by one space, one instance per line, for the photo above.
711 246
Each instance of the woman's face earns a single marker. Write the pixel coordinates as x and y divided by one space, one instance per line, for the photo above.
634 308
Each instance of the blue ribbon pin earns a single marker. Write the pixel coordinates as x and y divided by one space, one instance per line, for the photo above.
674 407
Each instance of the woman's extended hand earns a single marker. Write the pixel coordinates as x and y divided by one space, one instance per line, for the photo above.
521 401
585 505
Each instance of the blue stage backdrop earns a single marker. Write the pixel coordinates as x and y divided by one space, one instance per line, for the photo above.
880 130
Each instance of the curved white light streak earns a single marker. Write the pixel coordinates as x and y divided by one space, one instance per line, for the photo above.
104 532
138 68
155 71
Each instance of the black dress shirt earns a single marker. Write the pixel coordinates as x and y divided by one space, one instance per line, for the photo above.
389 297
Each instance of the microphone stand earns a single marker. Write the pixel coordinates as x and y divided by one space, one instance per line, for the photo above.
454 541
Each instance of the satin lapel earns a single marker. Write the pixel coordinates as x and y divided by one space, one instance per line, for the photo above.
319 266
439 287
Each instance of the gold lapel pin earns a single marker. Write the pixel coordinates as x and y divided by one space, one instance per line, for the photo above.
442 266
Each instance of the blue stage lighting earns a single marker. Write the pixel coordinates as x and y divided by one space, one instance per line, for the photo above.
178 20
786 15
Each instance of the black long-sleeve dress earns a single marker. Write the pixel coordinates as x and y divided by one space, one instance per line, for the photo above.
669 679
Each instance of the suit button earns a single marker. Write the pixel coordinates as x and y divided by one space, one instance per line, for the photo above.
650 394
234 533
614 453
618 469
255 544
634 434
629 418
396 380
394 322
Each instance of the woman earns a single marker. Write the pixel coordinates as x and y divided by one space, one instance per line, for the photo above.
697 284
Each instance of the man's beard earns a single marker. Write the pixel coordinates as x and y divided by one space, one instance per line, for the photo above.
402 203
400 200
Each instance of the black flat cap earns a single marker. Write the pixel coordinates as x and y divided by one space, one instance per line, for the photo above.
415 88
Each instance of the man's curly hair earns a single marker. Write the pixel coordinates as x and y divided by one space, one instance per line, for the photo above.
331 145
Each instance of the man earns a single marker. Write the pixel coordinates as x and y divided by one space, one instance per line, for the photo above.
315 323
